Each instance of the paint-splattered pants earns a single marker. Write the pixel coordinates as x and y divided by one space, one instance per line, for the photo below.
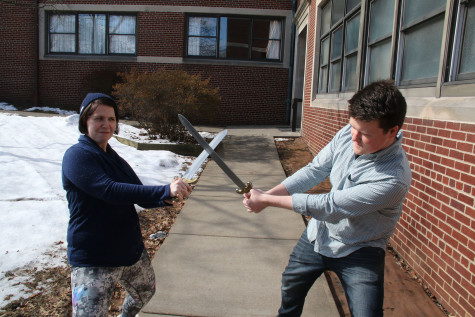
92 287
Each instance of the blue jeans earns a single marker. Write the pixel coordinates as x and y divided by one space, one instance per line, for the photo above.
361 274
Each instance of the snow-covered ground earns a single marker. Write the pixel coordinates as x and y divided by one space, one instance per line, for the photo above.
33 208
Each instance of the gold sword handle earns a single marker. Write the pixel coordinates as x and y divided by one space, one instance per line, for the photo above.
245 189
190 181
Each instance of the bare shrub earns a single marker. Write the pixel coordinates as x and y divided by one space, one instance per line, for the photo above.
155 99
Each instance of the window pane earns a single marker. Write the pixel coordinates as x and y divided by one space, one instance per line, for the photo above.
352 34
122 34
381 19
62 23
379 61
198 46
415 9
422 50
223 37
201 26
337 38
350 72
338 10
261 31
65 43
324 51
267 29
335 76
62 37
324 54
350 4
234 38
267 49
467 60
122 24
92 34
326 18
122 44
323 85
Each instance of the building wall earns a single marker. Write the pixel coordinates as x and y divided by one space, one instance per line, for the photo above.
251 95
17 53
252 92
435 234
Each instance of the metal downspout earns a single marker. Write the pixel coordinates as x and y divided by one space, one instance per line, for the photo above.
288 101
36 92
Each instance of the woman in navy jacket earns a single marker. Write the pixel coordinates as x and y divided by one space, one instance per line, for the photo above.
104 240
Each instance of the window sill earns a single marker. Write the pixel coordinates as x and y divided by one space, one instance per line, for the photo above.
98 58
456 104
228 62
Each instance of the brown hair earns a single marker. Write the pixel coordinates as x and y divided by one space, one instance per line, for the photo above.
381 101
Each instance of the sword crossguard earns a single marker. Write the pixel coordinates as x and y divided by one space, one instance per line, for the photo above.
245 189
190 181
187 180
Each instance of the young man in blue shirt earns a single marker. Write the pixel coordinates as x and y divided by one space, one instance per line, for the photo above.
351 225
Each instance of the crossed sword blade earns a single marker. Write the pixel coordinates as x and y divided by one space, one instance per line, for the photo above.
191 171
242 188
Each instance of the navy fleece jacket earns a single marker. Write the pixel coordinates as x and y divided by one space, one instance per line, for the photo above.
101 189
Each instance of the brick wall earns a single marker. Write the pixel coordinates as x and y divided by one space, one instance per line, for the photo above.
250 95
435 234
17 52
157 30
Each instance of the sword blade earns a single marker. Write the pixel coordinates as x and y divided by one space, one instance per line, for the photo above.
191 171
242 188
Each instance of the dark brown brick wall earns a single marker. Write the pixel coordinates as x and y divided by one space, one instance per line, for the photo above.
17 52
250 95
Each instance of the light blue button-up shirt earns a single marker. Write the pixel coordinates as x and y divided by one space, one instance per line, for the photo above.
365 201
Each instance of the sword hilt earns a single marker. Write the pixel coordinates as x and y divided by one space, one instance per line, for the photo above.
190 181
245 189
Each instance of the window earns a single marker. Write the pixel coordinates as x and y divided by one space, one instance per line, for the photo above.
351 52
234 37
91 34
339 41
462 62
420 41
378 56
401 40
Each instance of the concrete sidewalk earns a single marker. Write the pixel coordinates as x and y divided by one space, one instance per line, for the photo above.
219 260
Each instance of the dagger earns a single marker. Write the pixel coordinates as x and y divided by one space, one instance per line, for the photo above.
242 188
